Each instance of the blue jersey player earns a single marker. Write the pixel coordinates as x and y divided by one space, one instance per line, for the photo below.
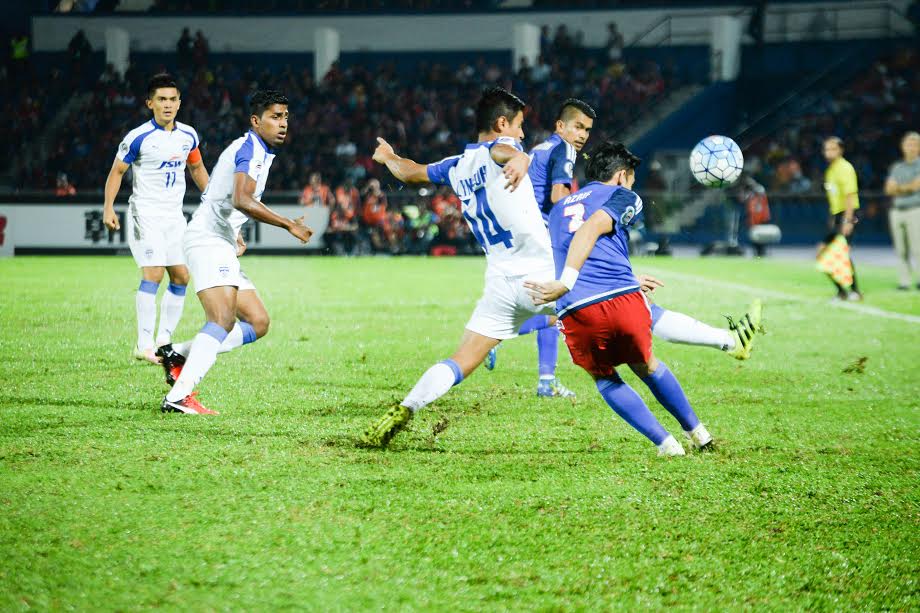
600 303
552 174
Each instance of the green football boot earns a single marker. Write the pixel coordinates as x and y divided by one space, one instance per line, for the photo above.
384 429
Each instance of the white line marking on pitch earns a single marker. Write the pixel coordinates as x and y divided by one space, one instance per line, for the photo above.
851 306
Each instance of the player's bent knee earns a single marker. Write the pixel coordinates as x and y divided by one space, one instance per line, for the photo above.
179 277
152 273
260 325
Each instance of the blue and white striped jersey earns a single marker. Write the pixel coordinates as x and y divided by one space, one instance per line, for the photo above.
158 159
506 224
216 218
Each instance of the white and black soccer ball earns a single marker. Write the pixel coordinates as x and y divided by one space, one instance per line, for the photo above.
716 161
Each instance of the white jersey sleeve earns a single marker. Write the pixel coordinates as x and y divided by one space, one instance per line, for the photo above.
216 219
507 224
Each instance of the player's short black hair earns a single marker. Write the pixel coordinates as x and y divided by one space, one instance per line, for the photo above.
163 79
265 98
607 159
565 111
496 102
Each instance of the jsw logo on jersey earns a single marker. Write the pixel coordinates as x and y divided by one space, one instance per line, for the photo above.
171 164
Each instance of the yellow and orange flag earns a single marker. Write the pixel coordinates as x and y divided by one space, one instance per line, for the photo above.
834 260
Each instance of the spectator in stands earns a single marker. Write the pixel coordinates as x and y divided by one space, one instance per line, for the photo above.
341 234
903 185
375 218
80 51
613 48
200 50
421 228
19 57
184 50
316 193
64 187
913 14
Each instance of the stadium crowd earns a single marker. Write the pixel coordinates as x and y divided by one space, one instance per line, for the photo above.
870 114
337 119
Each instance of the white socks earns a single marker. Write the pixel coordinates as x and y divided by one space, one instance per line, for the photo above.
679 328
170 312
436 382
146 303
241 334
201 358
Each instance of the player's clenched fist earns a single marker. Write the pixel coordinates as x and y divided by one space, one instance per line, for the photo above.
383 152
110 219
300 230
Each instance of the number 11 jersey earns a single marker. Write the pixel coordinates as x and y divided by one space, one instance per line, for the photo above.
508 225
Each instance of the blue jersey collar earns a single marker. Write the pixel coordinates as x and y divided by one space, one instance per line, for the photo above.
154 123
261 142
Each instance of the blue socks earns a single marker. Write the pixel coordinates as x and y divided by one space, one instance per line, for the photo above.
668 392
548 351
537 322
657 312
547 343
627 404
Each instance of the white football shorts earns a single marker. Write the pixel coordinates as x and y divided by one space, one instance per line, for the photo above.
156 241
505 305
216 265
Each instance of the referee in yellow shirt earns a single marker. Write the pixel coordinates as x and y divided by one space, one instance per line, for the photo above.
843 197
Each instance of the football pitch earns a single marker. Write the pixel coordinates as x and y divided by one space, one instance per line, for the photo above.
494 499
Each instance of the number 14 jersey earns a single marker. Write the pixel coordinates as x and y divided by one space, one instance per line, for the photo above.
508 225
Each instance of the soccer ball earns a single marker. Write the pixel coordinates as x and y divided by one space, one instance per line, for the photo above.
716 161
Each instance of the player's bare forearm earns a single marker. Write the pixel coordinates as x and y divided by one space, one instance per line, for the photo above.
559 191
113 182
199 175
503 153
244 200
545 292
258 211
585 238
404 169
515 164
112 185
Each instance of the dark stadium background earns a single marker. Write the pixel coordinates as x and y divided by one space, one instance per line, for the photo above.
806 70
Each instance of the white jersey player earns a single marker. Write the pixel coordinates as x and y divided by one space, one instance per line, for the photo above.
213 245
157 152
490 178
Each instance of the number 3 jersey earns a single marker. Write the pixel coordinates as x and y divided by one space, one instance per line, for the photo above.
607 272
158 160
508 225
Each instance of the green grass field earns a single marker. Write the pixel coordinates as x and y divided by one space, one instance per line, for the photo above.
810 501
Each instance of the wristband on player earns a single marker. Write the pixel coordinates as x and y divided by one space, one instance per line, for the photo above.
568 277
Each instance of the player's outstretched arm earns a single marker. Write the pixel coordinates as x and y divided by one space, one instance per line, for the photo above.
544 292
199 174
112 185
515 163
244 189
404 169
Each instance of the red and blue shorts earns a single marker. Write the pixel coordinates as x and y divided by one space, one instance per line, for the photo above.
607 334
